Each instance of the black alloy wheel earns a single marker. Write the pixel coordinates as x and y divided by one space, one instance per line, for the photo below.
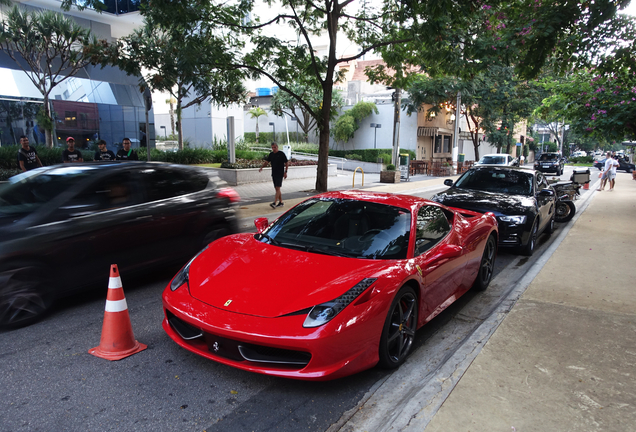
564 211
487 265
22 296
528 250
399 329
550 228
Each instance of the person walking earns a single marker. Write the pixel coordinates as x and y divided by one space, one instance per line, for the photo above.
126 153
280 164
103 154
27 156
71 154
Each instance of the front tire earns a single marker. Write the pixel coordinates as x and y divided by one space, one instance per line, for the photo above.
399 329
23 298
487 265
528 249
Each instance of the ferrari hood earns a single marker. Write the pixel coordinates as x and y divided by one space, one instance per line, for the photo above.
480 201
241 274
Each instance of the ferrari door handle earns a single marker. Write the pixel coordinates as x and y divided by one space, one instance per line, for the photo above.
144 217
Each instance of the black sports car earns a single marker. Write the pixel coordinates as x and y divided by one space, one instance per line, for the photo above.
521 199
623 164
62 226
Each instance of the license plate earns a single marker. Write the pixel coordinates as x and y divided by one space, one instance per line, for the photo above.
546 166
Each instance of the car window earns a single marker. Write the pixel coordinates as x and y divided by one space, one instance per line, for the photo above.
113 192
163 183
497 180
432 226
27 193
542 183
492 160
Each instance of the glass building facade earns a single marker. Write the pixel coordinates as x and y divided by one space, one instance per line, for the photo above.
88 109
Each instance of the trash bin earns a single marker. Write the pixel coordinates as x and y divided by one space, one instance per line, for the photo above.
460 157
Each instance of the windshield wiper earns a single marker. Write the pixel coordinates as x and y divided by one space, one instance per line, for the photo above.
271 240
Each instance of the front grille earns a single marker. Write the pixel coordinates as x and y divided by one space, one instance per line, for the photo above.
240 351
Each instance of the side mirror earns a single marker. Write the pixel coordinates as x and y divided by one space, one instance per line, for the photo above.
448 182
546 193
261 224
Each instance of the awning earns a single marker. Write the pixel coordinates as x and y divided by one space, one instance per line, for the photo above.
432 131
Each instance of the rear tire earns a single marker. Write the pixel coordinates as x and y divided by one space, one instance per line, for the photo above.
398 333
487 265
564 211
23 296
550 228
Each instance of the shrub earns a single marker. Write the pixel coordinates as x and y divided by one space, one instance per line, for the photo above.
6 173
390 167
386 158
582 160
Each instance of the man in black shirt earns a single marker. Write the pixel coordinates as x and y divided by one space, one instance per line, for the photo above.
126 153
27 156
279 172
103 154
71 154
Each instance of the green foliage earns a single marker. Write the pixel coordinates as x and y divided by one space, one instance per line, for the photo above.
368 155
48 47
5 173
349 121
589 160
386 158
390 167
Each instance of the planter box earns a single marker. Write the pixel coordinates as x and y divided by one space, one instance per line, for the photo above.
235 177
389 176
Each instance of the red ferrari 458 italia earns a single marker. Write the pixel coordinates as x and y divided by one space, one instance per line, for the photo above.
336 285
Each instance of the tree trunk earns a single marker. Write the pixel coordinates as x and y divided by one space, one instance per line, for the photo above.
48 133
179 125
256 130
322 171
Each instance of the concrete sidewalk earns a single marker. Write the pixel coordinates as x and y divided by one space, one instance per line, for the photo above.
564 359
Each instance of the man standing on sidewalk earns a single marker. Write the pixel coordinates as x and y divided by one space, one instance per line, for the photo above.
27 156
279 172
608 172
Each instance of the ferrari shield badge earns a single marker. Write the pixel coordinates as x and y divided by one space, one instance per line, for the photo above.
419 270
227 303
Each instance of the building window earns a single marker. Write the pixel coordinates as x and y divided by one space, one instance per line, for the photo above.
447 147
438 144
70 118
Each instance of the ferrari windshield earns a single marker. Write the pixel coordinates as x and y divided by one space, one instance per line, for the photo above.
343 227
507 181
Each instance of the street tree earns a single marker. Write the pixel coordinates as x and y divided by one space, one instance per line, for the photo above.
49 48
349 122
285 103
180 51
255 113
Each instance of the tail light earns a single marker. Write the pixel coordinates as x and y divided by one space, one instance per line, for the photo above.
230 194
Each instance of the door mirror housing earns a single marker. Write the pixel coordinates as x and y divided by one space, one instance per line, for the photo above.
261 224
448 182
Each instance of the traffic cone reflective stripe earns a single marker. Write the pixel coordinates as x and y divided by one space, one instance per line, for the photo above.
117 339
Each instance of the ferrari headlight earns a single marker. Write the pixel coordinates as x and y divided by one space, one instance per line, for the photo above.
184 273
513 220
323 313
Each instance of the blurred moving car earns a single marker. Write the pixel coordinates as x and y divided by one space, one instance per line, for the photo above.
62 226
550 162
521 199
498 159
623 164
344 281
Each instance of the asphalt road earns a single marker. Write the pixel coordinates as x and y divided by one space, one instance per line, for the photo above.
51 383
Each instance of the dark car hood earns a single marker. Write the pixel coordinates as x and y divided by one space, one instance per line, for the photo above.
480 201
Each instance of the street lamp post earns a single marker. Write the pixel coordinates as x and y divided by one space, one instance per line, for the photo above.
274 128
375 132
165 135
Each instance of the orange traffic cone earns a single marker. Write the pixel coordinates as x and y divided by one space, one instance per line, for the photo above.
117 339
586 186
